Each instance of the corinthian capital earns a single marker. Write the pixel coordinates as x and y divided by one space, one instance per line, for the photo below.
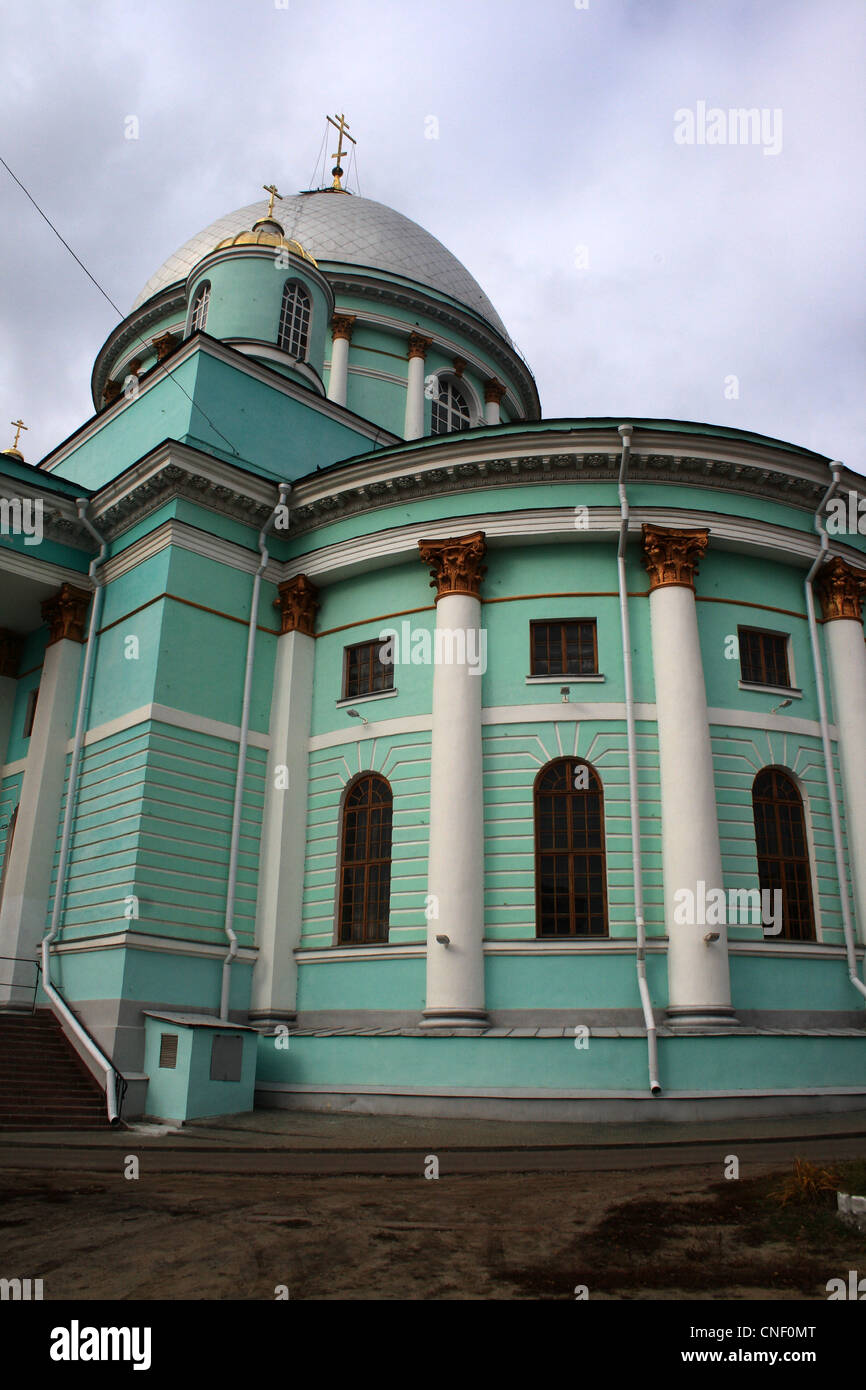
418 345
298 603
65 613
841 589
455 564
671 556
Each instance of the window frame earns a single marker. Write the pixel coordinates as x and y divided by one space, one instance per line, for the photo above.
562 623
597 789
366 863
293 283
373 642
749 681
786 857
462 387
203 291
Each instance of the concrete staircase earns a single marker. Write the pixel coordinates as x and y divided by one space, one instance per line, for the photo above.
43 1082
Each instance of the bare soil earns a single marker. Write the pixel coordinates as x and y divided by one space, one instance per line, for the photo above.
668 1234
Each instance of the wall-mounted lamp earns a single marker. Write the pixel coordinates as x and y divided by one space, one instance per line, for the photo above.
444 940
783 705
353 714
563 690
710 937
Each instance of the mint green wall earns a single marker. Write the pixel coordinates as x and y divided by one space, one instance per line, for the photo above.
362 984
203 654
551 979
617 1065
246 299
739 755
514 754
405 761
791 982
220 409
377 593
154 821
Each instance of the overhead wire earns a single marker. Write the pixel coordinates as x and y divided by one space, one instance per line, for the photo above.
142 341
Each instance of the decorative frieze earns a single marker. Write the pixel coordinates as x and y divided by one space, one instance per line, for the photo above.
66 614
298 603
11 647
671 555
456 564
841 589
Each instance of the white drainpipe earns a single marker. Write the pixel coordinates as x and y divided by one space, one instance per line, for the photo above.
832 789
59 1006
634 803
228 926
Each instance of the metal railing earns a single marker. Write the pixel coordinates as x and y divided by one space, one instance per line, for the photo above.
16 984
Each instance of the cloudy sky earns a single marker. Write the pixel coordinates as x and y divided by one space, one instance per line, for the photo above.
639 275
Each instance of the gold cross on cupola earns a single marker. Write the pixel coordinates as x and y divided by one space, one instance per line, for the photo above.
340 124
19 426
272 189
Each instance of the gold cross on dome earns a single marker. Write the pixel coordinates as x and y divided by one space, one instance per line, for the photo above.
340 124
19 426
272 189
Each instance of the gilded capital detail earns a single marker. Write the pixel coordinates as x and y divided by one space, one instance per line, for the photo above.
671 556
342 325
298 604
455 563
66 614
11 646
418 345
841 589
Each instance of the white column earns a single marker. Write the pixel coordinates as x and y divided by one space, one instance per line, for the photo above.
698 975
455 876
27 884
414 426
842 588
284 826
493 394
341 327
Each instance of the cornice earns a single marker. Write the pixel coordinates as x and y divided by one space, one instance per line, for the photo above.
214 347
459 468
60 521
133 331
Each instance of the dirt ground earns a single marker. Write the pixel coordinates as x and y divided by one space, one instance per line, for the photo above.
668 1233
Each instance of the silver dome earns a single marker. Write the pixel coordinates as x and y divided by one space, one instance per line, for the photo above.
344 229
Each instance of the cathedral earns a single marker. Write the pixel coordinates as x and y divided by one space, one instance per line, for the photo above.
370 742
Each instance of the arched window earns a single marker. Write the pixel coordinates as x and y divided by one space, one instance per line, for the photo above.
198 317
294 320
450 409
783 851
365 873
570 877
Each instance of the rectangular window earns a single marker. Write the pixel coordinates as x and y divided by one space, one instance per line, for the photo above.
363 671
568 648
30 714
764 657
